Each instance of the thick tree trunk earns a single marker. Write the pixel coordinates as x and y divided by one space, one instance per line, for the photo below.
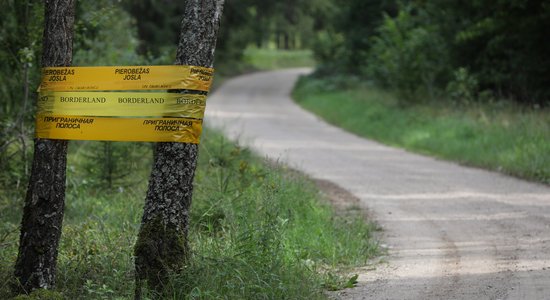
44 203
162 245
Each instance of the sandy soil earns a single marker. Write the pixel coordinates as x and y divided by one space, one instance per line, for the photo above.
452 232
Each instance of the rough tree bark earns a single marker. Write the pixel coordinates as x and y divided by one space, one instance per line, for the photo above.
162 245
45 199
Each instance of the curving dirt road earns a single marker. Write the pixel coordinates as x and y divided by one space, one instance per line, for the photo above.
452 232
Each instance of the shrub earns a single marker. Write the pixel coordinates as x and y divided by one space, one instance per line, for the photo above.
464 87
408 57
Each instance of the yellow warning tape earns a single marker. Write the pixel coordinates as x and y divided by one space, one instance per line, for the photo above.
126 78
118 129
121 104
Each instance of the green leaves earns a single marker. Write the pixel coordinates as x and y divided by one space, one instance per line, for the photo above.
408 56
415 48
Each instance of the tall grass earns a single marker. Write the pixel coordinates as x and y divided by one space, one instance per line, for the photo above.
499 135
258 231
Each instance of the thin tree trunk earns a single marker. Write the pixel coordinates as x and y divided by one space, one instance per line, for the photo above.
287 41
43 213
162 245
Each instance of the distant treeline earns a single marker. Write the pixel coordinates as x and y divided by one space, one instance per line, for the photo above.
468 50
465 50
283 24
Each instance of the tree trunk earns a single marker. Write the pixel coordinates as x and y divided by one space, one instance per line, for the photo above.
44 202
287 40
162 245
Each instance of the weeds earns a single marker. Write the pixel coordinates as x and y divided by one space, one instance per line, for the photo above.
258 232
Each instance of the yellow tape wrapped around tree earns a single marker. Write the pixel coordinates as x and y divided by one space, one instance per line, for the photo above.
118 129
122 104
71 107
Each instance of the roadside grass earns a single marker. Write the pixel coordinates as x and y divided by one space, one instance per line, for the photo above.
501 136
257 231
272 59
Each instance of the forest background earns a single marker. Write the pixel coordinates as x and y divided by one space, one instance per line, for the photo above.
475 52
464 81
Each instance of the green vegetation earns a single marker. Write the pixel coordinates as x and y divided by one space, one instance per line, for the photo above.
255 59
257 230
272 59
498 135
41 295
415 47
284 24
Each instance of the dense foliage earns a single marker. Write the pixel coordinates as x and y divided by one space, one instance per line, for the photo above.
469 50
421 49
20 41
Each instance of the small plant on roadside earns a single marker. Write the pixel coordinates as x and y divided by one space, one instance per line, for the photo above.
464 87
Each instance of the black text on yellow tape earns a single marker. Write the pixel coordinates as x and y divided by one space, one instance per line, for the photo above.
122 104
118 129
126 78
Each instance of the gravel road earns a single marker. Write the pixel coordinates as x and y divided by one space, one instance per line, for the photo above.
452 232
